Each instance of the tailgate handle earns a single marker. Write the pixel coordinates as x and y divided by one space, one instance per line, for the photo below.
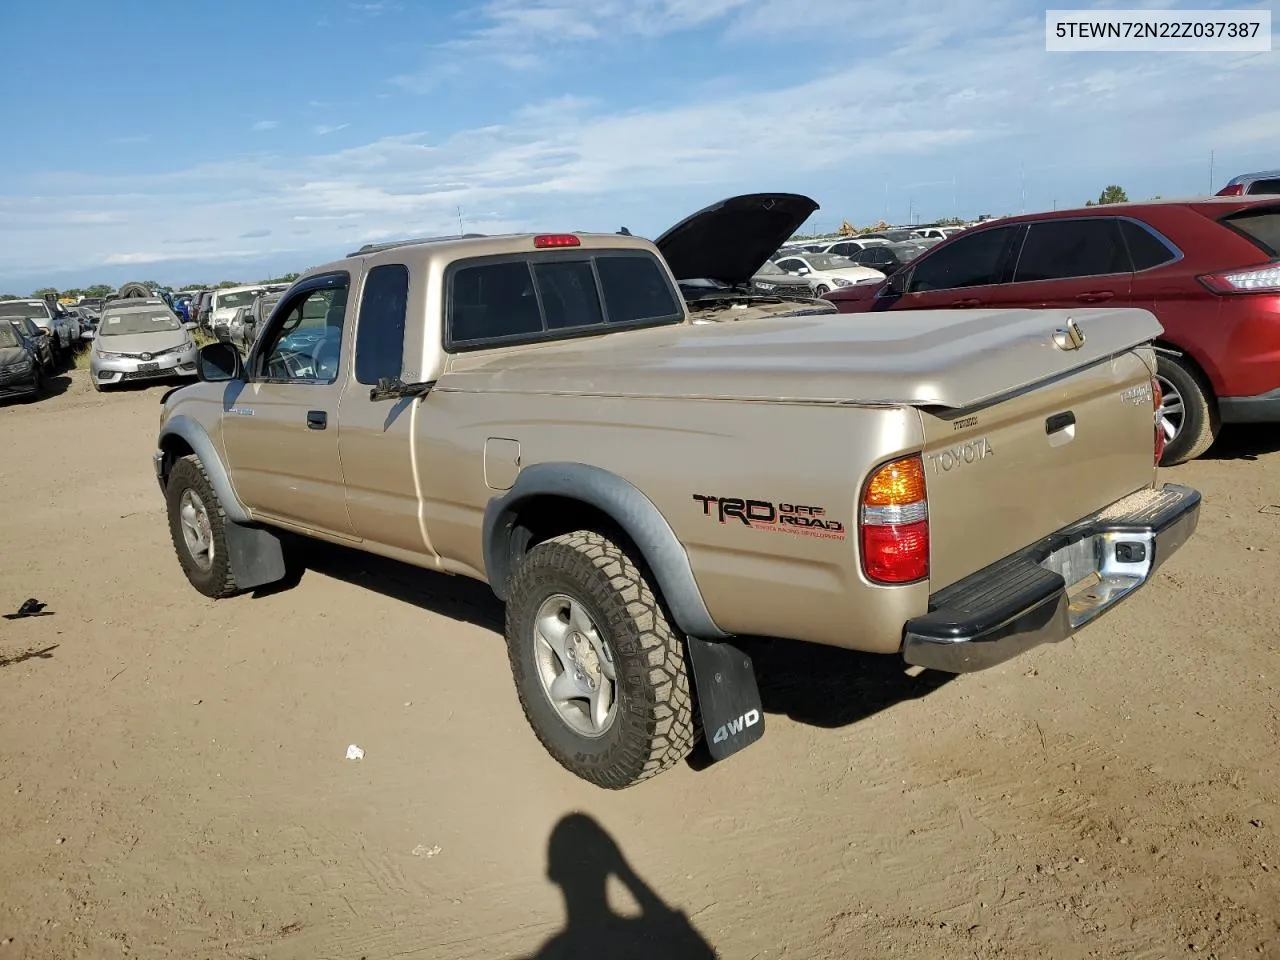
1059 421
317 419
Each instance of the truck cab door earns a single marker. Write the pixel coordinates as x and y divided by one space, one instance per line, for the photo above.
377 443
281 428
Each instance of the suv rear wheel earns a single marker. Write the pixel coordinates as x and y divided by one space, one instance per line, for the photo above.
599 671
1187 412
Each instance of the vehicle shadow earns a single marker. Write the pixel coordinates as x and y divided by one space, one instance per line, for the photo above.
1244 442
56 385
459 598
812 684
830 687
581 856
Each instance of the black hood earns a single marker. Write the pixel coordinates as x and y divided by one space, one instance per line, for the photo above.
730 240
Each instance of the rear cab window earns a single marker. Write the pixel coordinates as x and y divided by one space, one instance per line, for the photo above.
511 299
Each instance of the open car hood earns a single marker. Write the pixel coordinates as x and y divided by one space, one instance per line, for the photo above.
730 240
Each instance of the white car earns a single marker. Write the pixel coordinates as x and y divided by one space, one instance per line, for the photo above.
825 271
936 233
225 303
848 246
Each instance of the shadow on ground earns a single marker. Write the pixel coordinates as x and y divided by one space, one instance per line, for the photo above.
581 856
812 684
1244 442
459 598
9 660
829 687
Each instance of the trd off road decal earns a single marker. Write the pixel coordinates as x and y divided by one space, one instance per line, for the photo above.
796 518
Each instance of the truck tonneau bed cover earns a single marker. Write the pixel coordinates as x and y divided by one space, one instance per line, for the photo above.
926 358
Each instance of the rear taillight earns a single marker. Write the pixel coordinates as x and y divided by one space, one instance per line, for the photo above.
1157 400
894 521
1251 280
1232 190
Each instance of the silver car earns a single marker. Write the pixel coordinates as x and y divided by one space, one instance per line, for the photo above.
140 340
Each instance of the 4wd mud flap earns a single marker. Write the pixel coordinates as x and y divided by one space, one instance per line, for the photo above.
728 697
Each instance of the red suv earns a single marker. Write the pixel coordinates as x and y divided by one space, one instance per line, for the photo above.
1207 269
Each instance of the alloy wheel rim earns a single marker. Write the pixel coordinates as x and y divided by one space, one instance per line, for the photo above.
575 666
1172 412
197 532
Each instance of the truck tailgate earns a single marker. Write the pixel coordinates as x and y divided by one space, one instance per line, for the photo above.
1004 475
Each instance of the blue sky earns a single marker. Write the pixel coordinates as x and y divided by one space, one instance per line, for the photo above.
208 141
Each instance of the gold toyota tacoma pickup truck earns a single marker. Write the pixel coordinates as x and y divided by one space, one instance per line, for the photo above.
542 413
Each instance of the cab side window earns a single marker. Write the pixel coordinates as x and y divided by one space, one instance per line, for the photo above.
304 342
380 328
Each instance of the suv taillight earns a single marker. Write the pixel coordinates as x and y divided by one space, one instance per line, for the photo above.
1157 400
894 523
1264 279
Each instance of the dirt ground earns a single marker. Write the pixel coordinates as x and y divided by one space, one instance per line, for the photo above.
173 780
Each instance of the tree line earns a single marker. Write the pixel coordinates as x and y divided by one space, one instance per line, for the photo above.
105 290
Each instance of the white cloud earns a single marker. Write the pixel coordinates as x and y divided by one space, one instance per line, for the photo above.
323 129
265 125
980 110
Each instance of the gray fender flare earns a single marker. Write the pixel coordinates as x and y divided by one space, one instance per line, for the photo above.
628 508
198 440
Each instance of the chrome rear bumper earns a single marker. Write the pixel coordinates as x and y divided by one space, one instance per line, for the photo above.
1048 591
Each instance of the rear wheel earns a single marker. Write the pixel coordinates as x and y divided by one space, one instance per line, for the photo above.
1187 413
599 671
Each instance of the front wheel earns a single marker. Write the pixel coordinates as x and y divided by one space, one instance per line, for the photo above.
198 528
1187 414
822 289
599 671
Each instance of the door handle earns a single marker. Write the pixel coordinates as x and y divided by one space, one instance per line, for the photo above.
317 419
967 302
1059 421
1095 296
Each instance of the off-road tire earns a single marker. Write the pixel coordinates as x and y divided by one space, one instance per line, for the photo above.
1199 413
218 581
654 725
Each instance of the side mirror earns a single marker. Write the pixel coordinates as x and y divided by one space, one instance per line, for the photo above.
219 362
87 335
189 325
803 271
896 285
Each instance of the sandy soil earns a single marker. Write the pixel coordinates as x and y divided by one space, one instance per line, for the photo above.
173 781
